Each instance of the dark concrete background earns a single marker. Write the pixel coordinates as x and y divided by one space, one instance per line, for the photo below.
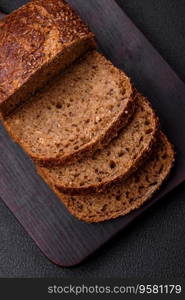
154 246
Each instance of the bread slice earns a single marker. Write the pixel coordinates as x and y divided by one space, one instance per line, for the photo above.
80 111
127 196
113 163
37 41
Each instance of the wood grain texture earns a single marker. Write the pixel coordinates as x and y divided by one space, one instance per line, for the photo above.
62 238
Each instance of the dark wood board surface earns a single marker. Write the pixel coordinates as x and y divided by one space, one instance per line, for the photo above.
62 238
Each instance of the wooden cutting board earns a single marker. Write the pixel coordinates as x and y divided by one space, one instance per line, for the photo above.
62 238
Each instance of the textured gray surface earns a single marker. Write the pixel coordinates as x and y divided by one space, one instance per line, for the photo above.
153 246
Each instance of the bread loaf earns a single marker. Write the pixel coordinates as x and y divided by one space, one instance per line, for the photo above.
37 41
89 133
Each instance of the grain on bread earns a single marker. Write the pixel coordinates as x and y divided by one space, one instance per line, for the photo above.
127 196
115 162
77 113
37 41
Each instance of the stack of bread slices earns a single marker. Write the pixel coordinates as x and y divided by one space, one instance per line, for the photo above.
95 140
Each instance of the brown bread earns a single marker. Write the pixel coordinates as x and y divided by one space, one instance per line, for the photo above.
37 41
113 163
127 196
78 112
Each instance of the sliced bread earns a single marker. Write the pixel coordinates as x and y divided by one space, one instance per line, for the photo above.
127 196
113 163
37 41
78 112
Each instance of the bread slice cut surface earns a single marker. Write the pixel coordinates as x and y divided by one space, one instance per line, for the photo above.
127 196
80 111
113 163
